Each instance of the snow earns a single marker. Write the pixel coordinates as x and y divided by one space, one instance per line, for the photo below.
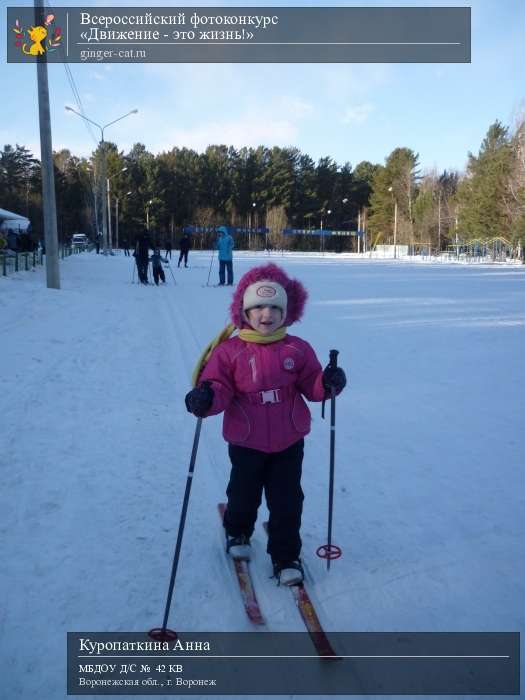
430 498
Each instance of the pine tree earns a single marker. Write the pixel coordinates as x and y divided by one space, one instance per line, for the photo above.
395 184
482 194
17 168
515 200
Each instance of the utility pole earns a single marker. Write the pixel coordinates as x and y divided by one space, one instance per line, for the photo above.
395 228
116 223
108 191
96 208
103 178
439 222
46 157
391 189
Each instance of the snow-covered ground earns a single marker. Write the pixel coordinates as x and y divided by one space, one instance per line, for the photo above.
96 441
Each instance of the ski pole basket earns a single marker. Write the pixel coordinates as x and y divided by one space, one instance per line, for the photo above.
329 551
159 634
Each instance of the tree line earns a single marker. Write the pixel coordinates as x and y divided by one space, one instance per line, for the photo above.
281 188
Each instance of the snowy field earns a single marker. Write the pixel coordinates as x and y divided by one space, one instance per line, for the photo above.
96 441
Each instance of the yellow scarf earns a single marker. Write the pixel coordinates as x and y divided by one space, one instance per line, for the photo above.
251 336
246 334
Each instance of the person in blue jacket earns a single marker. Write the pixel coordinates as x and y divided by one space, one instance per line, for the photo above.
225 247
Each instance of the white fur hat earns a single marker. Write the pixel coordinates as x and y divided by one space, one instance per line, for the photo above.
265 293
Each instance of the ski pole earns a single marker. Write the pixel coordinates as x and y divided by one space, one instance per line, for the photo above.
331 551
169 268
209 271
162 633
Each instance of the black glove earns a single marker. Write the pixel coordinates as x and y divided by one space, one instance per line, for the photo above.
199 400
334 377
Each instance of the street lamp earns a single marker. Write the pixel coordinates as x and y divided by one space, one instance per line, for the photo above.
329 211
104 165
147 212
345 201
391 189
93 183
116 216
108 189
252 221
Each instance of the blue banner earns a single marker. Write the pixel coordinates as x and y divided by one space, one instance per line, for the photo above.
232 230
319 232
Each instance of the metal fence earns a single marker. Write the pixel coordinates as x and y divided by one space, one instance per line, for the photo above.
12 261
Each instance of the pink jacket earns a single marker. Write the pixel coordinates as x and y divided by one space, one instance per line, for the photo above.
260 388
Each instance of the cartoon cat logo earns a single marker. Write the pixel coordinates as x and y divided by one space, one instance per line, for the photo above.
37 35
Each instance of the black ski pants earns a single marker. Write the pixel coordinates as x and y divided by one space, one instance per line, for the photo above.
142 269
226 265
183 256
279 475
158 272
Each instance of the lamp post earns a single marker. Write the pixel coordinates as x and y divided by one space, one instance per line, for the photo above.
391 189
329 211
93 184
345 201
147 212
104 166
108 189
252 220
116 216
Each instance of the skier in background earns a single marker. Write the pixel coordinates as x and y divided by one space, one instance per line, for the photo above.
225 247
156 265
141 256
184 246
258 378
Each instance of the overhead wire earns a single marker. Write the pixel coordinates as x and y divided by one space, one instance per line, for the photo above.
72 84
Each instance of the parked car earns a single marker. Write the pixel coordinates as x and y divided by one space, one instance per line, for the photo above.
80 240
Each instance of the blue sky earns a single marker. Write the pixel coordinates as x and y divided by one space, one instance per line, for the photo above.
351 112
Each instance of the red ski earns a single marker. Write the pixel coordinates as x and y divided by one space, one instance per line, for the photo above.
310 618
244 579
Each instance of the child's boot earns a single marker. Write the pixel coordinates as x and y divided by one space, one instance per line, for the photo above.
288 573
238 547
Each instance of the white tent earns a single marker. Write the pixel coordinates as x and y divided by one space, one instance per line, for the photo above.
15 223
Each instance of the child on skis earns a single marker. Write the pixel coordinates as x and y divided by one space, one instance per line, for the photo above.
258 378
156 264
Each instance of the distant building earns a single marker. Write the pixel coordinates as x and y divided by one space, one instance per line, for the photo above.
12 226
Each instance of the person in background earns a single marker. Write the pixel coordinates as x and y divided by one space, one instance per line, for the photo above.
168 249
141 256
184 247
125 246
225 247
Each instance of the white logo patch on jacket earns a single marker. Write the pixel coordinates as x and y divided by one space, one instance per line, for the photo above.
288 363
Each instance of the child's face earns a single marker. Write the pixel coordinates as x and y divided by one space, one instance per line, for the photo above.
265 319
